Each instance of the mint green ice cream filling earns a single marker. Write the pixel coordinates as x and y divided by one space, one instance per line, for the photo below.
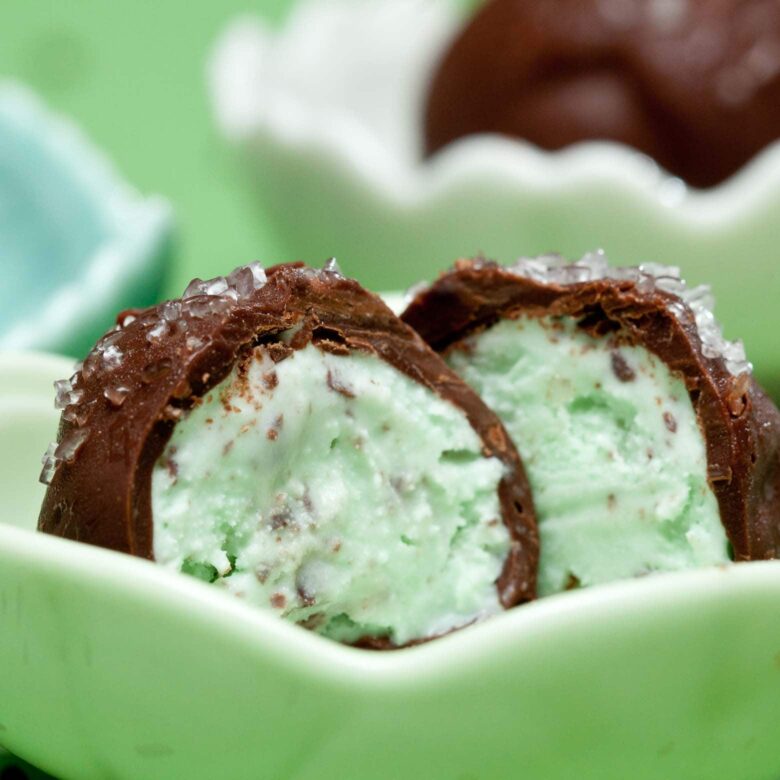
337 492
612 449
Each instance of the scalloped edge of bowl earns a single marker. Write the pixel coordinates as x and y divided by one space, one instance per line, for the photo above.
140 231
141 580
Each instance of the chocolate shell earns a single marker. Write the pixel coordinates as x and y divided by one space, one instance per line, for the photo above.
695 84
121 405
652 308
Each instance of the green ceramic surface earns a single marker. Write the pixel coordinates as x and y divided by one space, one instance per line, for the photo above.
116 668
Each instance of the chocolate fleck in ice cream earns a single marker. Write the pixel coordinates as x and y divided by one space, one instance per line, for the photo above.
283 435
695 84
648 445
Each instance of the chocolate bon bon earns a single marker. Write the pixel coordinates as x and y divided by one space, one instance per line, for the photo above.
282 435
648 445
695 84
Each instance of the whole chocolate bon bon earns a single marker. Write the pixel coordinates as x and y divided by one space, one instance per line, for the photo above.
695 84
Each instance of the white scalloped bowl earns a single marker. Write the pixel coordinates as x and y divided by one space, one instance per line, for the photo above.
325 112
76 242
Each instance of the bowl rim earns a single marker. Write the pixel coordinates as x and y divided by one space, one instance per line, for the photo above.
158 588
143 582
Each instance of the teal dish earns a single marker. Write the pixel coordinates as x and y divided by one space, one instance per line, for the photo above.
77 243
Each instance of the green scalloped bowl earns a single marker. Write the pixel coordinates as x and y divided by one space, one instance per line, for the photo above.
113 667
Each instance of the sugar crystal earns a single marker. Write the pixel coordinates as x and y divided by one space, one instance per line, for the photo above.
171 311
116 395
246 279
112 357
50 464
696 302
70 445
215 286
195 287
62 388
159 331
77 414
332 267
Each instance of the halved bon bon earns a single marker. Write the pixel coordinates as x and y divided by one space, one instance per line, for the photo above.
647 443
283 435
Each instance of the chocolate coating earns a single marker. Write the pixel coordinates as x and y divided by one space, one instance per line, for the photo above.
740 424
144 375
695 84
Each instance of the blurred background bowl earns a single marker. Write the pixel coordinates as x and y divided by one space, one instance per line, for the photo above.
327 111
77 243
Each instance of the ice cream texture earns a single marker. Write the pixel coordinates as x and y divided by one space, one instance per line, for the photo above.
611 445
338 492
